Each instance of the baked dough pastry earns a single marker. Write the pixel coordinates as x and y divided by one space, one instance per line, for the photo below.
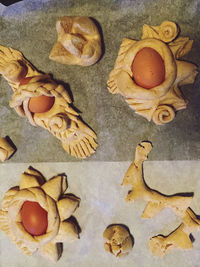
6 149
160 245
79 42
118 240
140 190
50 196
61 119
162 101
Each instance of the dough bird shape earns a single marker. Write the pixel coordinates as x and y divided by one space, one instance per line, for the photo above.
156 201
58 117
79 41
51 198
164 47
179 203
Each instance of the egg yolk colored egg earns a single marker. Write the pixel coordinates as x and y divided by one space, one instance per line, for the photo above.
38 104
34 218
148 68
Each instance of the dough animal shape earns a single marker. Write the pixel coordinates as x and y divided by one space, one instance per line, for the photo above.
162 101
50 196
6 150
179 239
61 119
79 42
118 240
160 245
140 190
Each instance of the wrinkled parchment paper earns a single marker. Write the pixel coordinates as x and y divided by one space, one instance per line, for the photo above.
102 203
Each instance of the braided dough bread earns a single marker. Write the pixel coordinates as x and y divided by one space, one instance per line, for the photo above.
79 42
61 119
118 240
50 196
160 102
6 150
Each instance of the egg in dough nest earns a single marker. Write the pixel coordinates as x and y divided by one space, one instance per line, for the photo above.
36 214
148 73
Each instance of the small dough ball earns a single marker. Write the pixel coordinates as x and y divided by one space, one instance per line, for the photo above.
118 240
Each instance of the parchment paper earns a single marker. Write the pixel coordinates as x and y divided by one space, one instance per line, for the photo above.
102 203
30 27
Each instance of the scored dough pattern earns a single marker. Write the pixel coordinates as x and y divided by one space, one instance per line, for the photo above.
61 120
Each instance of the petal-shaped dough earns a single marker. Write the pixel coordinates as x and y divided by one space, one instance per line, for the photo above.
55 186
50 251
28 180
67 206
68 232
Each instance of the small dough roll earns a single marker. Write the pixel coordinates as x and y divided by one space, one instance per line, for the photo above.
6 150
118 240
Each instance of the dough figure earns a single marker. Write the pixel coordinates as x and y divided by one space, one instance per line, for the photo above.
79 42
45 103
52 200
161 100
118 240
140 190
180 238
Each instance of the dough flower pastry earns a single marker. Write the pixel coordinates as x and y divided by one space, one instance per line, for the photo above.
79 42
6 150
148 73
45 103
36 214
140 190
118 240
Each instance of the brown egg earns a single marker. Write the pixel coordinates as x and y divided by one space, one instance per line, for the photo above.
38 104
148 68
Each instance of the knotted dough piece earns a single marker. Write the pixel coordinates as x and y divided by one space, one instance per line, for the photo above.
160 102
50 196
140 190
118 240
61 119
79 42
6 149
